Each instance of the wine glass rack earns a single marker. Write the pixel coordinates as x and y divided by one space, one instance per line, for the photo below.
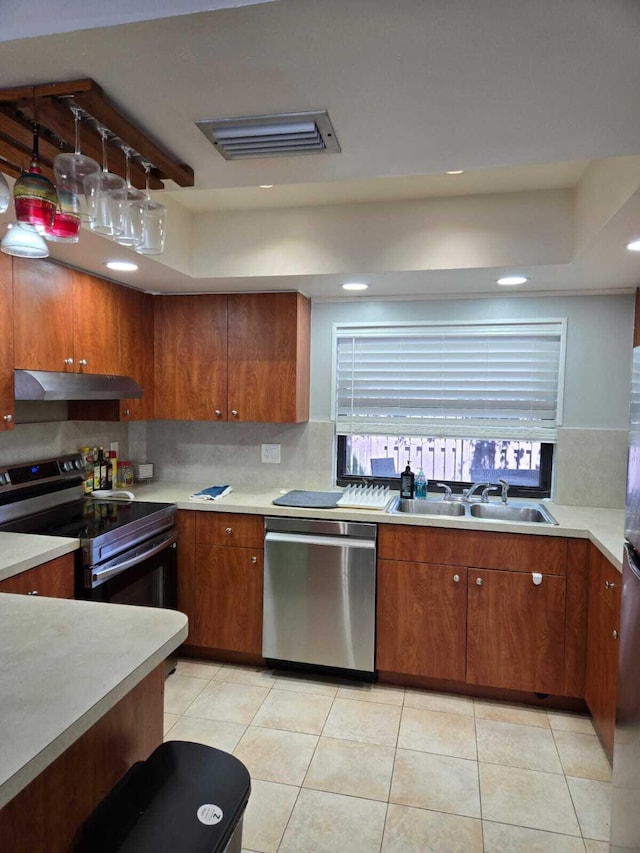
51 105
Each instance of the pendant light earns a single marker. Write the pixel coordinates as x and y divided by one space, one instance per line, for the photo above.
23 241
34 195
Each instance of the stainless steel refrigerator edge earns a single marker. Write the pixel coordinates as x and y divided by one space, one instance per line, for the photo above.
625 814
320 593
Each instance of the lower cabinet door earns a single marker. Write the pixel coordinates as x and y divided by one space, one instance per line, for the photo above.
515 631
228 599
422 615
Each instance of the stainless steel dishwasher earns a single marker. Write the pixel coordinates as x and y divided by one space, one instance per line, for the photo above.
320 593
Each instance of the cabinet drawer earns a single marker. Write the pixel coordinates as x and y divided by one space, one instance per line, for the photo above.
243 531
54 579
513 552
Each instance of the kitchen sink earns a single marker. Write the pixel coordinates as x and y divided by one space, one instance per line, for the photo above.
500 512
426 507
527 514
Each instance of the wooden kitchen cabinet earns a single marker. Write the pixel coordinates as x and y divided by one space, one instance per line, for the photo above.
55 579
515 631
136 344
7 405
226 571
605 583
268 357
43 315
191 357
96 328
421 619
242 357
515 634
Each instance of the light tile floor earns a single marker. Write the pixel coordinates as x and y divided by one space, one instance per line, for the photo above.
336 765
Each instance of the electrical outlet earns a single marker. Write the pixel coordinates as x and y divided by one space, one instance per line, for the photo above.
271 453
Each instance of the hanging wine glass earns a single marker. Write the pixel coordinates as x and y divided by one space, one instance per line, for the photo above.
70 170
128 234
34 195
99 190
5 194
149 218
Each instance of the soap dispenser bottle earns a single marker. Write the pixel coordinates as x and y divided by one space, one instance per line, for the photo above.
421 485
406 483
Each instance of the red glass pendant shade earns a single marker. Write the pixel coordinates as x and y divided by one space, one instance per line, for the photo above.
33 194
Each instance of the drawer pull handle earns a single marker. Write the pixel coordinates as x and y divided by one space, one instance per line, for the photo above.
33 592
456 578
228 531
479 581
609 585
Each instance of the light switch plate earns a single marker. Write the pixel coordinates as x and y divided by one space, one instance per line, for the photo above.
271 453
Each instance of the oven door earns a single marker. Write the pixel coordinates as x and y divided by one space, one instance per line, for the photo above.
145 575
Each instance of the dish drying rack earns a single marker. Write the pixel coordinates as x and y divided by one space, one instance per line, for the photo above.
365 497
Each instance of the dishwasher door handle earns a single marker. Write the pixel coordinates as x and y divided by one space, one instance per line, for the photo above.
331 541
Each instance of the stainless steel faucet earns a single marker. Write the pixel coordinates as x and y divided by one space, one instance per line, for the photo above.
467 493
448 494
505 490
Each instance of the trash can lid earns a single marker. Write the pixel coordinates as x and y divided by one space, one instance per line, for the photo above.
186 798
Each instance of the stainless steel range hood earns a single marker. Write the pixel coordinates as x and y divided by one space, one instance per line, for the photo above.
51 385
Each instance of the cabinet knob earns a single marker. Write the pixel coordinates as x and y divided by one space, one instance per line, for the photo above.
234 413
254 559
228 531
83 362
33 592
609 585
218 413
7 418
615 635
68 361
126 412
479 581
456 578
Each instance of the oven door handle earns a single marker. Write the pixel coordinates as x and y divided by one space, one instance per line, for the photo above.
102 575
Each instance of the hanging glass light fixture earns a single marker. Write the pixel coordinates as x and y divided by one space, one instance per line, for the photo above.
23 241
34 195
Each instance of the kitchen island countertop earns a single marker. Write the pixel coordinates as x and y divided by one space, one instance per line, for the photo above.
22 551
65 664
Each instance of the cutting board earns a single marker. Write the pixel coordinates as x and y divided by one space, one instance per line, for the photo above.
308 500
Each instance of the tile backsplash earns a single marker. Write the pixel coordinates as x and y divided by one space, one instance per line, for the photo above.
590 464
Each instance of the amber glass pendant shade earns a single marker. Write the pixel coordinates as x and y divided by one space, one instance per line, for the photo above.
34 195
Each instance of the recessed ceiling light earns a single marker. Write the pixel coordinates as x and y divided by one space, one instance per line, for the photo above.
265 186
355 285
634 246
513 279
455 172
121 266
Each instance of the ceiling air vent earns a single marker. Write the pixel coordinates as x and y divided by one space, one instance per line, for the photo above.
276 135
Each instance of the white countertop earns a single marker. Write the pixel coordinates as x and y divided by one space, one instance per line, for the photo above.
22 551
603 527
64 664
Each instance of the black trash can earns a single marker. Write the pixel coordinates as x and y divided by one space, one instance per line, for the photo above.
185 798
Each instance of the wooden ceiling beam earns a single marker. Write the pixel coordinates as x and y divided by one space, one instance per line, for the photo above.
20 132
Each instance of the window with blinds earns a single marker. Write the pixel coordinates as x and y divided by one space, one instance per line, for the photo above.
498 380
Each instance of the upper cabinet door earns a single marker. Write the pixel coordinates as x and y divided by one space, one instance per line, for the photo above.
191 357
96 328
135 322
6 350
268 354
43 309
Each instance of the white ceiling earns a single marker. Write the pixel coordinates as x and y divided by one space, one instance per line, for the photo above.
525 97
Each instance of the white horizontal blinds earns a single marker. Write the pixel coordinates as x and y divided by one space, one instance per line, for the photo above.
494 380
